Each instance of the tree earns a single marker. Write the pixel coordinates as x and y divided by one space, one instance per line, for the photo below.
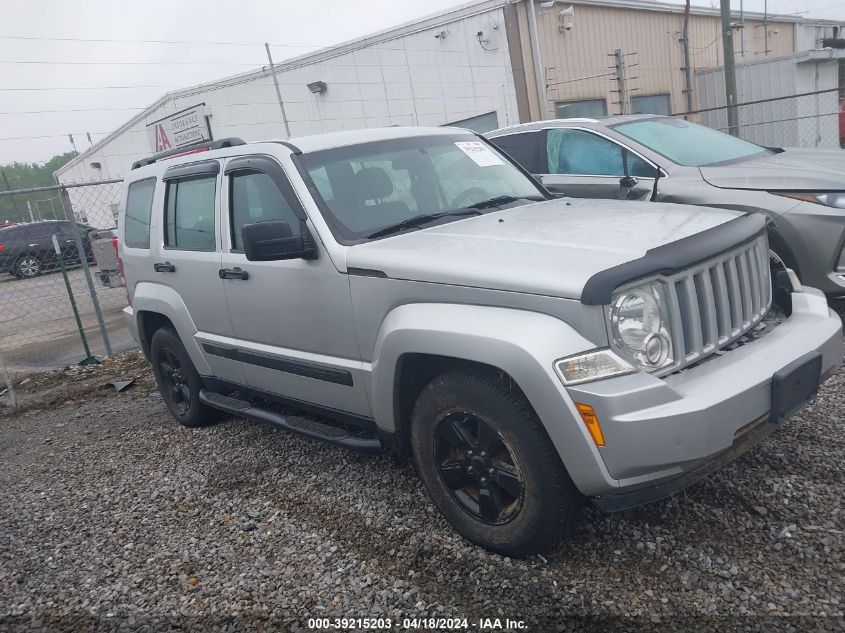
45 205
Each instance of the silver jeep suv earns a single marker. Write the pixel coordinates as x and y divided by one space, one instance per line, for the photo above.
421 293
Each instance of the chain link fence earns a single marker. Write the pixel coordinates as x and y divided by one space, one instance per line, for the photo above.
808 119
61 292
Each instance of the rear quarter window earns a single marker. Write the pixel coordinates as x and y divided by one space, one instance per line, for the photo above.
139 206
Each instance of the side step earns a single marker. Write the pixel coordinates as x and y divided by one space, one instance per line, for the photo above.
357 441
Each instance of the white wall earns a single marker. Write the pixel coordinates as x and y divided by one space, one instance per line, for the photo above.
413 79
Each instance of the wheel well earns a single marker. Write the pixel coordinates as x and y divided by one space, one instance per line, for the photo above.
414 372
779 245
148 324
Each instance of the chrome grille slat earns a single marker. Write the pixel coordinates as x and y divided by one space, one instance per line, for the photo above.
723 301
716 302
711 338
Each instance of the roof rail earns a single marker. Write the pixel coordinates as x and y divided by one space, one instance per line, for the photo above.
204 146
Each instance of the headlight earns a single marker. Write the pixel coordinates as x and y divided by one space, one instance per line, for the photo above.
639 326
600 363
836 200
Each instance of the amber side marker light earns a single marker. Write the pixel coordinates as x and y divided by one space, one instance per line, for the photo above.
591 421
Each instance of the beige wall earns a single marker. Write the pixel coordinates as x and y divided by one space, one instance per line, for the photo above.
654 36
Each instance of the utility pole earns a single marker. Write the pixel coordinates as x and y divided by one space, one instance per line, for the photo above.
621 82
539 71
278 91
29 208
730 67
687 70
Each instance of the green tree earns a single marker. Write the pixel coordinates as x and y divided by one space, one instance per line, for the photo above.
45 205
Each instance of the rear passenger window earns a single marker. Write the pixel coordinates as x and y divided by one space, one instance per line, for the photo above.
256 198
189 214
139 205
528 149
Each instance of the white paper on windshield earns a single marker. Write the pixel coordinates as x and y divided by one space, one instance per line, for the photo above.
479 153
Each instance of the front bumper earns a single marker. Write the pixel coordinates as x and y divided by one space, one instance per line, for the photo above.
663 434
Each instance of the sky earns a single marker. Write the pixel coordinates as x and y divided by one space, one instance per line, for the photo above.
56 80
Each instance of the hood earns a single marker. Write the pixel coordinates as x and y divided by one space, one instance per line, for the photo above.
790 170
549 248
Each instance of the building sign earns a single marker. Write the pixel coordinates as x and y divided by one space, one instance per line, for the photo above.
180 129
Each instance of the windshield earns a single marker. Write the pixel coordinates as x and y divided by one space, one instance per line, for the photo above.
687 143
362 189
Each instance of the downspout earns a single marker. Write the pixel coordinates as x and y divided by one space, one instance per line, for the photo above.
539 72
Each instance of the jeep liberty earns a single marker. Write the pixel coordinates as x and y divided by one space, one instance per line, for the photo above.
419 292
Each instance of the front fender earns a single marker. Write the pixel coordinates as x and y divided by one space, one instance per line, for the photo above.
150 297
521 343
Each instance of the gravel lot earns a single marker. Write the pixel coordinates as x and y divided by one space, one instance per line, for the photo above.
114 517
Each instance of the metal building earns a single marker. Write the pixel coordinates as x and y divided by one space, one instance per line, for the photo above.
472 66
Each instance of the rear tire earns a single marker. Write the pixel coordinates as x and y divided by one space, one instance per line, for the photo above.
178 380
515 497
28 267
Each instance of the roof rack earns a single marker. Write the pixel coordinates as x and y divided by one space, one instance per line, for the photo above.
204 146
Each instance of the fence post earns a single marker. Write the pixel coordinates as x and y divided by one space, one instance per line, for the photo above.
83 257
10 385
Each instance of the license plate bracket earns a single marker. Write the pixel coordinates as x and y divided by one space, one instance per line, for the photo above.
794 385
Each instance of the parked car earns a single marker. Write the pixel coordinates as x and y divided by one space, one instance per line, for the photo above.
26 250
423 294
800 190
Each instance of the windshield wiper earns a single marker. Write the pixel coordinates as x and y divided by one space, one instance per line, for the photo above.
500 200
419 220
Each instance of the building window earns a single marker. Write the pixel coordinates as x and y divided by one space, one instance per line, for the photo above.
481 123
651 104
586 108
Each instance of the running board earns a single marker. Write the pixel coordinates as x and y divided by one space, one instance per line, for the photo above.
357 441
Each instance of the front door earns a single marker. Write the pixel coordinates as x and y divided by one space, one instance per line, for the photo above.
292 318
583 164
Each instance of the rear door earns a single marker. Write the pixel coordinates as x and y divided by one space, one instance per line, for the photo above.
187 257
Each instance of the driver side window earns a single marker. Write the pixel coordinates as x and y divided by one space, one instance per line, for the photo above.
255 198
582 153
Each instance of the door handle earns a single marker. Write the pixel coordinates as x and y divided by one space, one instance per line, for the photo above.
166 267
233 273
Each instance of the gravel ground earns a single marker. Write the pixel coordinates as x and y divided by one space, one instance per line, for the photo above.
114 517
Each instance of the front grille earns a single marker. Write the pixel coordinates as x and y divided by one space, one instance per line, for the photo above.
718 301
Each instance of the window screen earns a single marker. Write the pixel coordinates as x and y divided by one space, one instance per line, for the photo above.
256 198
189 214
586 108
139 205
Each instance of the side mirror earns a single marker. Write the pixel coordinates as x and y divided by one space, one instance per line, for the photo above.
628 182
274 240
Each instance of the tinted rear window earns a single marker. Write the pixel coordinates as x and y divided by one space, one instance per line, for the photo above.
139 205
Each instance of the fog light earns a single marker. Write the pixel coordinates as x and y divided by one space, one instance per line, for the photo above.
591 421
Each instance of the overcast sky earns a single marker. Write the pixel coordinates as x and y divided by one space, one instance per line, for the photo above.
35 116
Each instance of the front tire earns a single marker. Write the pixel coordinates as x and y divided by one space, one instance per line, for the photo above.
178 380
489 466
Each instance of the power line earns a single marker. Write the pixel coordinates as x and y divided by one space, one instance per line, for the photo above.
179 42
87 88
216 105
18 61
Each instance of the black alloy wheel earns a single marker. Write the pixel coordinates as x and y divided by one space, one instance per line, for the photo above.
479 468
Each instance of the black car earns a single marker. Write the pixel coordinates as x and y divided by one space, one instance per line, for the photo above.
27 250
